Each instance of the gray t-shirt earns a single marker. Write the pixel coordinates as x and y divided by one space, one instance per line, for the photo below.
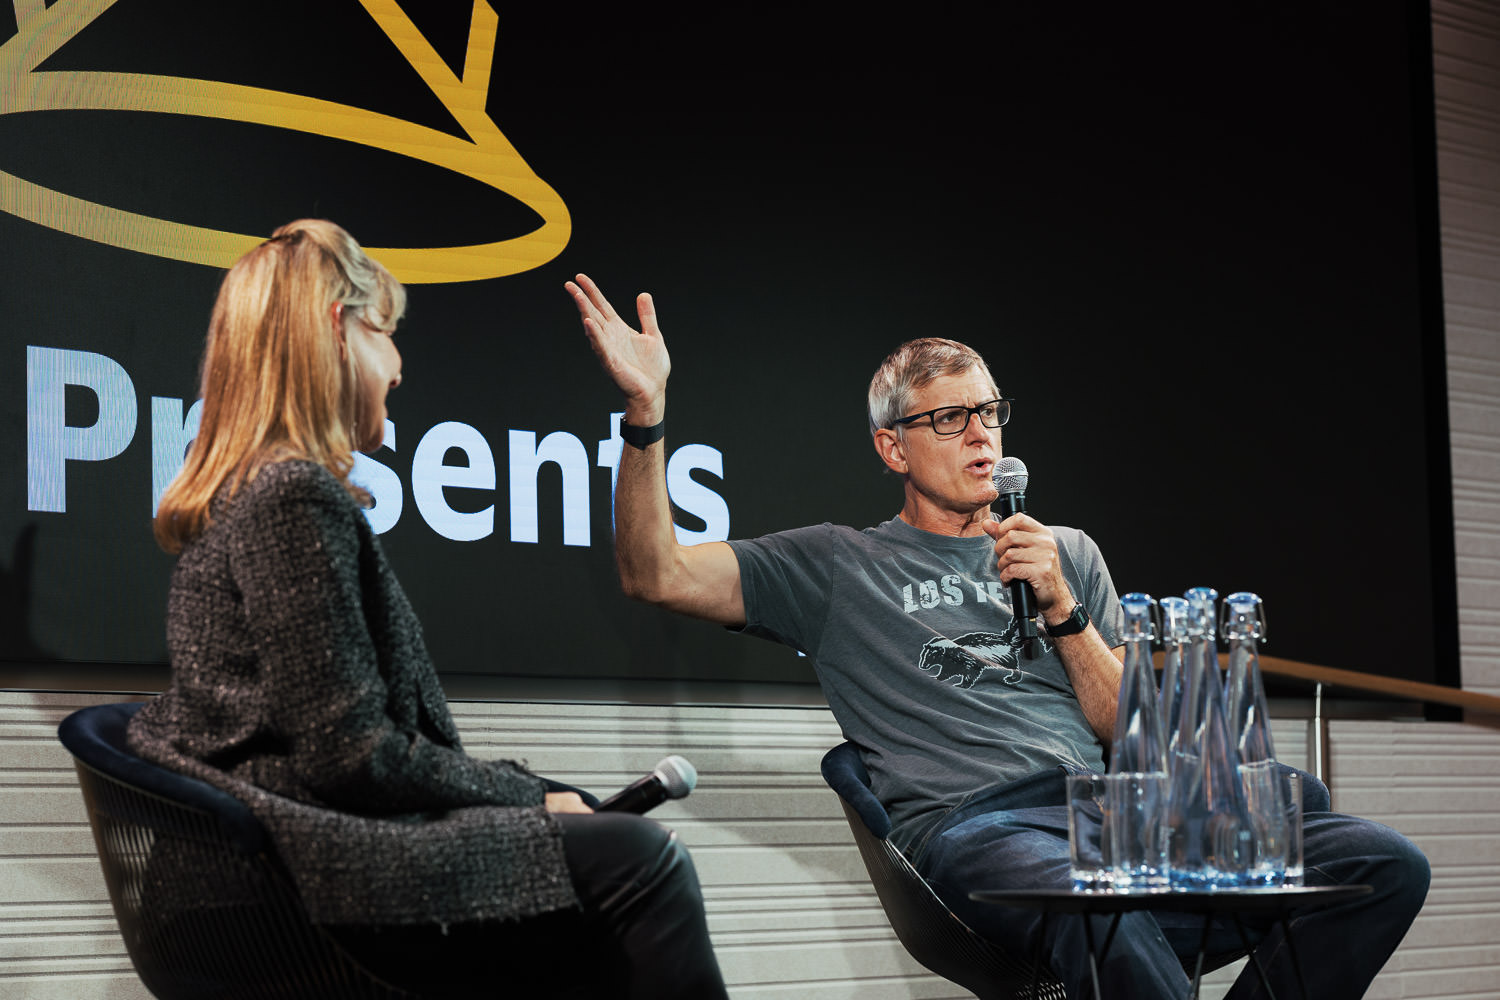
913 640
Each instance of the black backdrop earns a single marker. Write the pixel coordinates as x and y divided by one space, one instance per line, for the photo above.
1199 248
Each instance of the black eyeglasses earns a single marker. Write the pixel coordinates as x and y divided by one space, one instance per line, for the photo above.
950 420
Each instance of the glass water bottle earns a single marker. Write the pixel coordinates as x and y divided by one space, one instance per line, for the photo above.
1250 729
1140 741
1211 838
1136 787
1174 640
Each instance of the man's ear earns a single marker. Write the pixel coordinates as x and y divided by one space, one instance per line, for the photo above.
892 450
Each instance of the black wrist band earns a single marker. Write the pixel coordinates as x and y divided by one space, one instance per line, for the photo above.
1076 622
640 437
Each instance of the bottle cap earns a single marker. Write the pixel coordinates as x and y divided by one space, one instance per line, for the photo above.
1244 616
1140 620
1203 603
1175 625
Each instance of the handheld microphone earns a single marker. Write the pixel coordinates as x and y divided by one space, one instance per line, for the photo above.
1010 479
673 778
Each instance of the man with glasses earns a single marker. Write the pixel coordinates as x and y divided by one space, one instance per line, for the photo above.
965 727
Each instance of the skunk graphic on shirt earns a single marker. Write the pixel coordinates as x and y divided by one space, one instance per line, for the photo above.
963 661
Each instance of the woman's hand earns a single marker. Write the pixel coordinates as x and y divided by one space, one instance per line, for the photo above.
566 802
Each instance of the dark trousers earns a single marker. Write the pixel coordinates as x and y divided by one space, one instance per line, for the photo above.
640 931
1016 837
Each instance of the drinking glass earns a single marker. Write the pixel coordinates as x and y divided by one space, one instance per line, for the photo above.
1086 858
1135 822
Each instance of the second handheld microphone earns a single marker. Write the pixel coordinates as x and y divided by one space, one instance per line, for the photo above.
673 778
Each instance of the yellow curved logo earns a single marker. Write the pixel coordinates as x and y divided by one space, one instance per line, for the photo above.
486 156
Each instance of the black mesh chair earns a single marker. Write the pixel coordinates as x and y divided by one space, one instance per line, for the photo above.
926 927
246 934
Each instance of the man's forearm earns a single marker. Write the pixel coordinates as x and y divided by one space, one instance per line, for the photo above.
1095 671
699 580
645 540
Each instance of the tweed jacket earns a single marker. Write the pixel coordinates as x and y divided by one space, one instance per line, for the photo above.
301 685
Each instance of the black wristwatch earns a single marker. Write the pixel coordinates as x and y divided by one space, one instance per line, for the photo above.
641 437
1071 625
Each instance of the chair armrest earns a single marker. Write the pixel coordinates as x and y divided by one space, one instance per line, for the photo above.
95 736
846 774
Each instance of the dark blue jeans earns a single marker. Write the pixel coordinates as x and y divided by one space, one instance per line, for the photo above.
1016 837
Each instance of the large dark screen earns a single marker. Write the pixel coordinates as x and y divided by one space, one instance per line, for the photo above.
1198 249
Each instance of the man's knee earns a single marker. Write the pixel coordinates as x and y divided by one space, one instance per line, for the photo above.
1358 851
1411 873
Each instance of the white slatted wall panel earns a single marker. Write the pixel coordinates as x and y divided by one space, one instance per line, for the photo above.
1439 784
790 907
58 939
1466 62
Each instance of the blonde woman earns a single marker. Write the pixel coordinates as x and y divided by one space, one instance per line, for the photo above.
300 683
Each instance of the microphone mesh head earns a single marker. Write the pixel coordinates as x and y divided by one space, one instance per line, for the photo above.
677 776
1010 475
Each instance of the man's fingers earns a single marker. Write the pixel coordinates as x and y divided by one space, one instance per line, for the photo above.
1027 548
596 297
591 331
585 308
646 309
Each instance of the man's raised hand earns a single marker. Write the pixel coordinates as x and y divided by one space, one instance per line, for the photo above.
637 361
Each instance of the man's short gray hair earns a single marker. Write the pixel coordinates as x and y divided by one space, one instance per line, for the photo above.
911 366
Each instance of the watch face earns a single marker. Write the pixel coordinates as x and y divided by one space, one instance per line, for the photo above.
1073 624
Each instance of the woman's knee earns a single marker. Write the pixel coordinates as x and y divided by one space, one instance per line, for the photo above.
614 857
624 835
